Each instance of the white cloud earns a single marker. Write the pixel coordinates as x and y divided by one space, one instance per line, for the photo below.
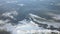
28 26
57 4
4 21
33 0
1 4
51 3
18 29
20 4
10 14
44 0
54 16
41 0
11 1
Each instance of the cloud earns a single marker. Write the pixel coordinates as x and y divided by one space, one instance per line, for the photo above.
41 0
10 14
54 16
18 29
11 1
1 4
4 21
20 4
28 26
57 4
33 0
